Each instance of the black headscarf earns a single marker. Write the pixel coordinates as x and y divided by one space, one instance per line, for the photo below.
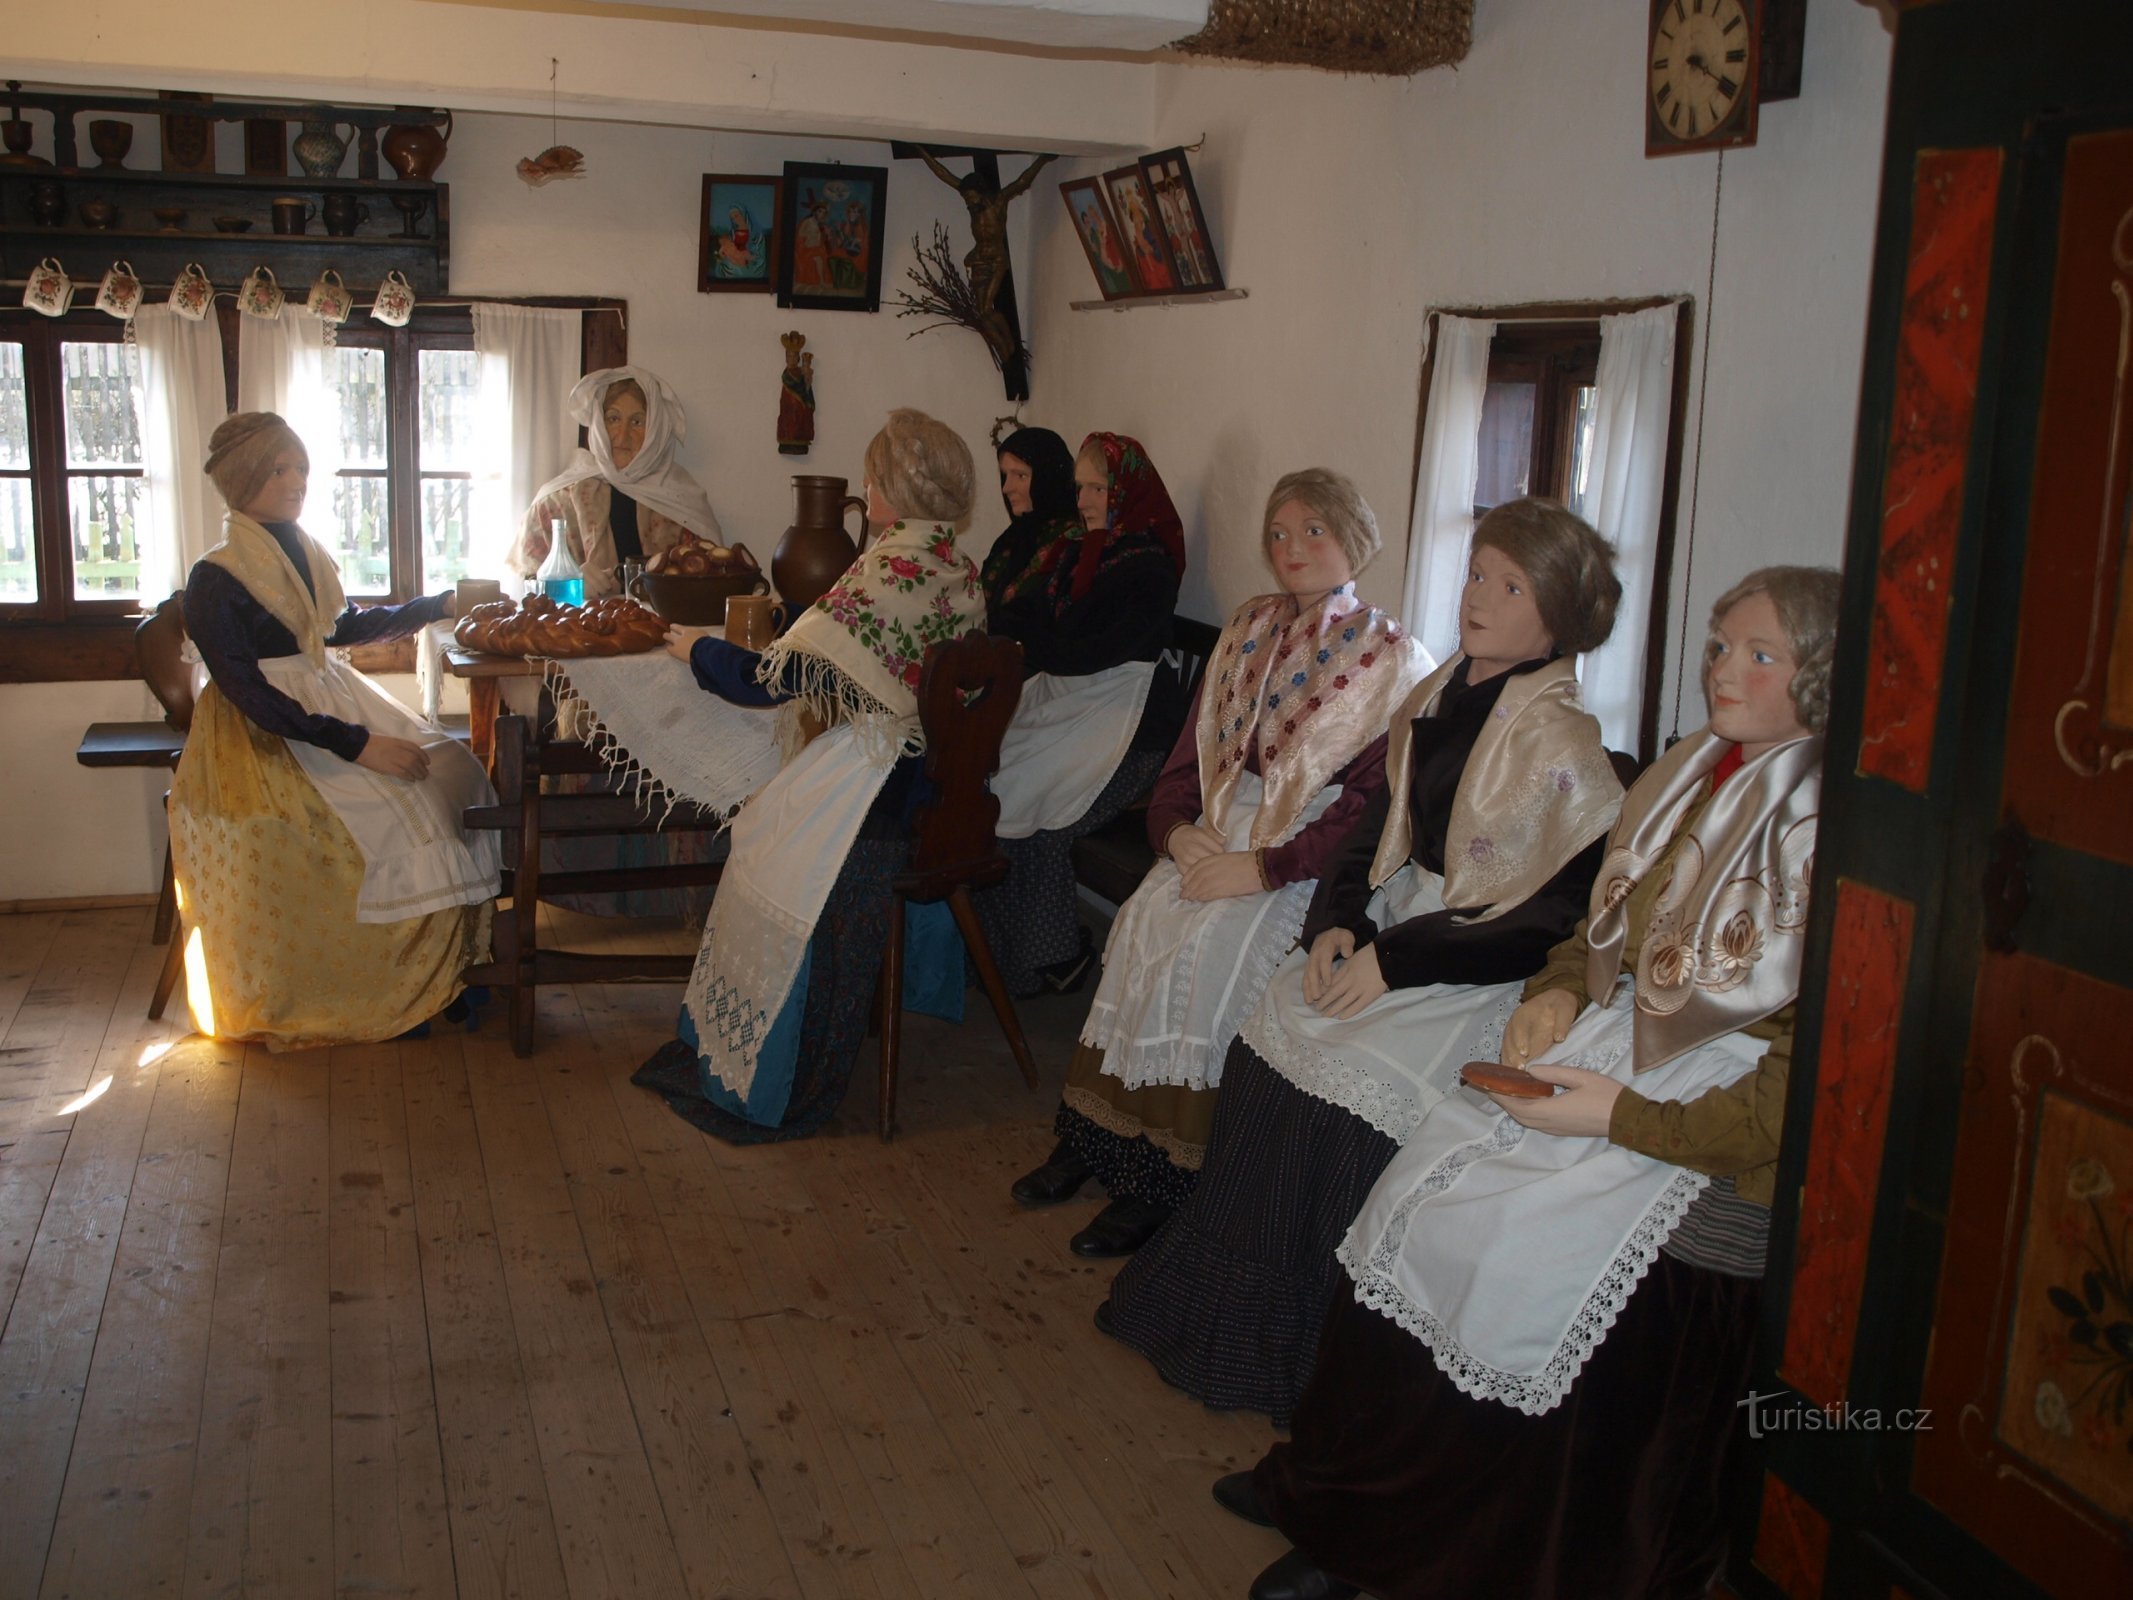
1015 554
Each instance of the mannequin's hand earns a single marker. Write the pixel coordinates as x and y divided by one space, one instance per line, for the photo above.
451 603
1189 843
1354 986
680 640
1335 944
396 758
1537 1025
1222 876
1586 1105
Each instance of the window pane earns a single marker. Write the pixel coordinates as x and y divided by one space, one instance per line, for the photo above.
1581 434
446 504
357 537
1506 444
359 378
449 391
14 409
107 565
103 415
18 542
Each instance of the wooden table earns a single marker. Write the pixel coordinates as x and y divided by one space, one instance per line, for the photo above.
485 676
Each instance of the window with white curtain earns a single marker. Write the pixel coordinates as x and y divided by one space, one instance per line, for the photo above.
1578 402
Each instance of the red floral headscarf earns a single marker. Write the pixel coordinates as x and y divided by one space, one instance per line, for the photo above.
1139 504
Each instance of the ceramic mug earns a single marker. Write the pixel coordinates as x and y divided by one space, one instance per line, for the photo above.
394 302
330 300
748 620
291 215
342 213
191 295
120 292
48 289
260 295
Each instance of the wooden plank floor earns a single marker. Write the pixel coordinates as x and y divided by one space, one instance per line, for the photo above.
423 1319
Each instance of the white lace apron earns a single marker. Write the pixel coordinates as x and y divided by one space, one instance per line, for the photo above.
1180 976
1510 1253
1066 741
1402 1054
670 737
416 856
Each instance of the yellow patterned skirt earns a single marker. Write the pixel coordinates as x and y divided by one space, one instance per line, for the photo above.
268 876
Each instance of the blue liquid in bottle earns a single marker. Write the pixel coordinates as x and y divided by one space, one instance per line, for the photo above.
561 579
565 591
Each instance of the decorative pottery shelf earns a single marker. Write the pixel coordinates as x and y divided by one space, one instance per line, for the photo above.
1135 302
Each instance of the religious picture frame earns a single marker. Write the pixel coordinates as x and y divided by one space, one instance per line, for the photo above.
1133 206
738 235
832 227
1184 221
1101 240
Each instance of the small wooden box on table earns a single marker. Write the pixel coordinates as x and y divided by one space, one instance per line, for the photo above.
525 816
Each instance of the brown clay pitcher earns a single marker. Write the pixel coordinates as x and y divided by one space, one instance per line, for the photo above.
415 150
753 620
815 550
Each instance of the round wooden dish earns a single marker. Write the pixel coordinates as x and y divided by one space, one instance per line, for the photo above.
696 602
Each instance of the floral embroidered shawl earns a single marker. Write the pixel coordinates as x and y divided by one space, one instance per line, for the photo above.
1308 690
1537 789
1724 943
860 646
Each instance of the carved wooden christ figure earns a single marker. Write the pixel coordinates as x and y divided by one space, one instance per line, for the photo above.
987 263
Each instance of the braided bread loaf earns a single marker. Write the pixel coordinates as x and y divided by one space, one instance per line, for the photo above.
538 626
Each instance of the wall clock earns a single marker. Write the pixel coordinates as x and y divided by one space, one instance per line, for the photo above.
1703 60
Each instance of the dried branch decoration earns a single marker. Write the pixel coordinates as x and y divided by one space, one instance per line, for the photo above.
944 294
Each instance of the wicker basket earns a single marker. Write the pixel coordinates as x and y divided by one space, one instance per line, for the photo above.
1395 38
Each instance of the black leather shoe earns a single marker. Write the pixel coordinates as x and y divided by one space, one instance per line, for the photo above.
1060 1178
1121 1228
1294 1577
1236 1494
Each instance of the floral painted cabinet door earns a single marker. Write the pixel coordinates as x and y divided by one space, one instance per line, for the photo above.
1950 1296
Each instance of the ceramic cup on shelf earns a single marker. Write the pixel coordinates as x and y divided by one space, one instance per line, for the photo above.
260 295
119 295
330 300
99 213
394 302
342 212
749 621
291 214
191 295
170 218
48 288
110 139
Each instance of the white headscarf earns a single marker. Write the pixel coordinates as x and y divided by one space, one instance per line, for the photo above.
651 478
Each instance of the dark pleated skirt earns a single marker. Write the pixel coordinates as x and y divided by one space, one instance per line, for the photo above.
843 974
1397 1482
1228 1299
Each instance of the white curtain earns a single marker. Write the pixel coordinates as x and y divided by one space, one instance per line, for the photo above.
182 399
1623 491
283 367
1444 485
530 358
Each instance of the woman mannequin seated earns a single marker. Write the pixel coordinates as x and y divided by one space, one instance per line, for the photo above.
328 893
1085 578
622 498
777 1007
1482 851
1285 751
1598 1378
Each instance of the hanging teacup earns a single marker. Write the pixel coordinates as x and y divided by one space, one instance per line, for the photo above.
330 300
261 296
48 289
191 295
394 302
119 294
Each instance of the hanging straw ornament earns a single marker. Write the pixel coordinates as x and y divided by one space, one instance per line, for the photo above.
559 160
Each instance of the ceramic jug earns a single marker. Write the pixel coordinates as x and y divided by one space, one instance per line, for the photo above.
415 150
815 550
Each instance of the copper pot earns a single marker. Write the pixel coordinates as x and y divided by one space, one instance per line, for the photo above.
815 550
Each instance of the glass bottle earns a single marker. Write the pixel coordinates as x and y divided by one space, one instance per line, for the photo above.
561 578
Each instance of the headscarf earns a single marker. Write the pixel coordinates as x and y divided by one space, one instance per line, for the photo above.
652 478
1036 540
241 453
1139 504
1308 690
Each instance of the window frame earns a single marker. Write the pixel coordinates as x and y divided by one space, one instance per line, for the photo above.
48 473
1557 318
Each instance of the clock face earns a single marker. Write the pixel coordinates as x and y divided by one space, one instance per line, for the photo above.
1700 61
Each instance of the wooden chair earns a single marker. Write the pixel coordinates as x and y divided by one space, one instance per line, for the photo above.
159 650
967 691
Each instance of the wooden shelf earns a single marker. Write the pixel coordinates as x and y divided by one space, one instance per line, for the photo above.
1136 302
